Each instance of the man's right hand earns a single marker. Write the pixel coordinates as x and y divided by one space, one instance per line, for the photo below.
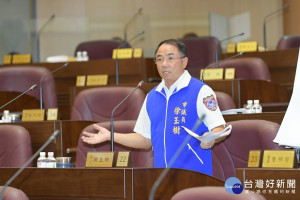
95 138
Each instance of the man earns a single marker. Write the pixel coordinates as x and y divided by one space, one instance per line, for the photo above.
177 102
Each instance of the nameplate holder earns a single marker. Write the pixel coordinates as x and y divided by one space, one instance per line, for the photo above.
99 159
255 158
94 80
247 46
52 114
137 53
278 159
7 59
33 115
21 58
123 159
231 47
229 73
80 81
212 74
123 53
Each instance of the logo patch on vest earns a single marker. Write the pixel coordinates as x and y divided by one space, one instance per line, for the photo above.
210 103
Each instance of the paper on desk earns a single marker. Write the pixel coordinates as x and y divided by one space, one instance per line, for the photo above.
210 137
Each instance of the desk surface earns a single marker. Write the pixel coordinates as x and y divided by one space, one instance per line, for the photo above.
105 183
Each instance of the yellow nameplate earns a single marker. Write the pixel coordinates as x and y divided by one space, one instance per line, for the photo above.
278 159
231 47
80 81
123 53
7 59
21 58
229 73
123 159
254 159
93 80
99 159
247 46
52 114
138 53
33 115
212 74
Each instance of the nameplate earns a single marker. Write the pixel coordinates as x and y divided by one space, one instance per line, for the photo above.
278 159
137 53
7 59
52 114
123 159
255 157
212 74
247 46
80 81
93 80
21 58
231 48
123 53
229 73
33 115
99 159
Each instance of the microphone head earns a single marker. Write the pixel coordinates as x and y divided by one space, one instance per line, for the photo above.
242 33
286 6
140 10
33 87
140 83
52 16
242 53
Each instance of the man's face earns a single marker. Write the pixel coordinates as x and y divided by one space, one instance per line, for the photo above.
170 64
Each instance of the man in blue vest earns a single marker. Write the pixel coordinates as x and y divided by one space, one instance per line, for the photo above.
177 102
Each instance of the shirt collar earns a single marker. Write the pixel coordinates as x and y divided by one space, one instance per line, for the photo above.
182 81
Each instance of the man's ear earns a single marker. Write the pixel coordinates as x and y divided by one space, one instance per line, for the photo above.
185 61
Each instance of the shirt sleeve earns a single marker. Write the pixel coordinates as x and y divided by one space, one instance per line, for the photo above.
143 123
207 107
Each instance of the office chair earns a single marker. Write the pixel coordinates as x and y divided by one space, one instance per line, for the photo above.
213 193
139 157
97 104
248 68
225 101
12 193
201 52
288 42
246 135
101 49
21 78
15 146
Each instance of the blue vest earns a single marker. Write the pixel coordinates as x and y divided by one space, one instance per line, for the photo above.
167 135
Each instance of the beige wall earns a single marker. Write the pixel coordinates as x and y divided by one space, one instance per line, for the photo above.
82 20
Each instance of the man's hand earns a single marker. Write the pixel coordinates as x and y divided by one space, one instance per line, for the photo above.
96 138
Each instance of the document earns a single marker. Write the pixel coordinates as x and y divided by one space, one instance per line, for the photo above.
210 137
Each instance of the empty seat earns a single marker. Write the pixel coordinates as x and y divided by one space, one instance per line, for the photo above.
288 42
12 193
225 101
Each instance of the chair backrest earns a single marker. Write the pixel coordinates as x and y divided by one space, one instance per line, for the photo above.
225 101
100 49
288 42
246 135
12 193
248 68
139 158
15 146
201 52
213 193
21 78
97 104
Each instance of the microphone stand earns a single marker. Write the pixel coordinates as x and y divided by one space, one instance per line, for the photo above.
125 30
52 137
112 116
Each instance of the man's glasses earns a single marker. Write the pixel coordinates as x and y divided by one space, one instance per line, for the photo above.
169 59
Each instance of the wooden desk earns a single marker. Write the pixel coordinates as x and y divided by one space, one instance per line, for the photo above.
282 64
276 117
279 176
106 183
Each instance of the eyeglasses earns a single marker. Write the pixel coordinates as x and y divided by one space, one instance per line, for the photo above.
169 59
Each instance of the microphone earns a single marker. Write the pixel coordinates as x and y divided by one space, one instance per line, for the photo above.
125 30
112 115
37 53
28 90
174 158
52 137
120 46
217 49
265 18
42 79
213 64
